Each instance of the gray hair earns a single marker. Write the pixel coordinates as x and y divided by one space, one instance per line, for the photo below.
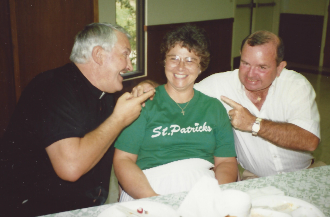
94 34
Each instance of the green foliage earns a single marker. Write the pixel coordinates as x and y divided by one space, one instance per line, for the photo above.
126 17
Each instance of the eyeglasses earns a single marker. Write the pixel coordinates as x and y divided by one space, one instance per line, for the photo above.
189 62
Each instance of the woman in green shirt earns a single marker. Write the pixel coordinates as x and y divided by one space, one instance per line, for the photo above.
182 134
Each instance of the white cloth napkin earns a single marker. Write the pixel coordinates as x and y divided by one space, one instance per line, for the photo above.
207 199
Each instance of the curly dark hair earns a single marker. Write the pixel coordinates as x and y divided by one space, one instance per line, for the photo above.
190 37
264 37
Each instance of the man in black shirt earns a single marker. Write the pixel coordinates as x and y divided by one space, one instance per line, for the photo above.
56 153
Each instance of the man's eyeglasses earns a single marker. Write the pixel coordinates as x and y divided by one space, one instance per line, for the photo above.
189 62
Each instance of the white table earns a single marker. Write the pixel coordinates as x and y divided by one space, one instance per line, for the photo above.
311 185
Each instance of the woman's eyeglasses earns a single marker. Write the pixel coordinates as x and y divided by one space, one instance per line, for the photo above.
189 62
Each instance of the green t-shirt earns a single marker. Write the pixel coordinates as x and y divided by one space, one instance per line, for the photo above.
162 134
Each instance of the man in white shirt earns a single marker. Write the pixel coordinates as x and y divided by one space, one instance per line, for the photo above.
272 109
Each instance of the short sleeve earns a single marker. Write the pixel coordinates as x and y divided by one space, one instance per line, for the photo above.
303 109
131 138
225 145
62 115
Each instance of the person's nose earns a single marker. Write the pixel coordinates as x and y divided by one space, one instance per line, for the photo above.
252 71
181 64
129 66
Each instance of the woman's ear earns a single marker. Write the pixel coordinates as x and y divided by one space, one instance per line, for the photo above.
98 55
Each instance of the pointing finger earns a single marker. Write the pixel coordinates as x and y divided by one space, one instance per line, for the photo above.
230 102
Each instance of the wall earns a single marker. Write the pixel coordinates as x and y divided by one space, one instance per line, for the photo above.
311 7
174 11
107 11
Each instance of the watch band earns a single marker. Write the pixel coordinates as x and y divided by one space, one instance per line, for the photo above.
256 127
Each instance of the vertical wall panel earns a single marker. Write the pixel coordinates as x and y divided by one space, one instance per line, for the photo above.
7 86
45 33
36 36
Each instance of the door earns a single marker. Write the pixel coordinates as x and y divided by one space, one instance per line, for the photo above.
264 14
251 16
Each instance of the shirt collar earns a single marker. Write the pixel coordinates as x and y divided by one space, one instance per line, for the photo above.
95 91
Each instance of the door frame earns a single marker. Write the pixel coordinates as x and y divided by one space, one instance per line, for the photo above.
325 50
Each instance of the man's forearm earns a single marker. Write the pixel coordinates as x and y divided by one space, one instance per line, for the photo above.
96 143
127 109
288 135
73 157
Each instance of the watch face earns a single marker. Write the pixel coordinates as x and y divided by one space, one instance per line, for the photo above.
256 127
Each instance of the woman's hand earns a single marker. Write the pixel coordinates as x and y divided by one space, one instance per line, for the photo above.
143 87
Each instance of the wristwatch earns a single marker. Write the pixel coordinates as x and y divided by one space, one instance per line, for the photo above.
256 127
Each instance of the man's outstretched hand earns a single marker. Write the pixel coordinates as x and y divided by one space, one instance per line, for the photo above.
128 107
240 117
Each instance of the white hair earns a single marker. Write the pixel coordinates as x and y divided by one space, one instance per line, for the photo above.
94 34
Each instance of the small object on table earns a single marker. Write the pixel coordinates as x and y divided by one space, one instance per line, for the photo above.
140 210
128 211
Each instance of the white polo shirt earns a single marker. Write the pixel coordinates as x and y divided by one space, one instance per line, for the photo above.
290 99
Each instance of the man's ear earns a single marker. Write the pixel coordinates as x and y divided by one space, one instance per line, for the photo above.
280 67
98 55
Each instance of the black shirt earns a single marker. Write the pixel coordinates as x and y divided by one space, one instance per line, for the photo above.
57 104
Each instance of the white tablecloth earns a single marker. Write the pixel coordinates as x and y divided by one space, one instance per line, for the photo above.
310 185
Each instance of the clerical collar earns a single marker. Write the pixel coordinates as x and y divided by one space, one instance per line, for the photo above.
102 95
